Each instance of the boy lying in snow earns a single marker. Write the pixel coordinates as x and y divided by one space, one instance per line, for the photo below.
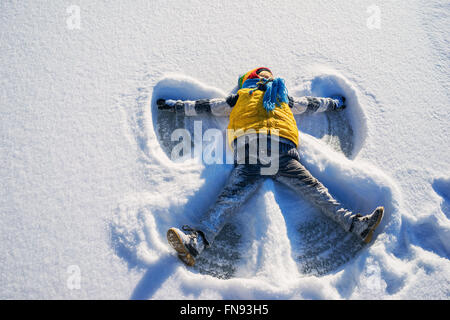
261 117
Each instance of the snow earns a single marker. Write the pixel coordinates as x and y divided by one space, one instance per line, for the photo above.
86 180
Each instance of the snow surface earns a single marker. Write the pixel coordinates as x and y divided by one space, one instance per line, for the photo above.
88 192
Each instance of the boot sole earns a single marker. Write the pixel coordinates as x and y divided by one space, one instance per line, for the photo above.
369 236
183 253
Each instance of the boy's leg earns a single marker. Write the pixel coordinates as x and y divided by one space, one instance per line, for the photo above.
242 183
293 174
190 241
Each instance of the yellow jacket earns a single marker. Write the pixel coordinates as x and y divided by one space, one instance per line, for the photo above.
250 114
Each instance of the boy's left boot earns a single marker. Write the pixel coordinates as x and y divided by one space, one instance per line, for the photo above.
364 226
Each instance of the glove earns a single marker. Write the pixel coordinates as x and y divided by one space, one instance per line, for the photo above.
339 102
169 105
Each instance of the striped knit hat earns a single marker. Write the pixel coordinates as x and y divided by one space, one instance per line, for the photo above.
252 74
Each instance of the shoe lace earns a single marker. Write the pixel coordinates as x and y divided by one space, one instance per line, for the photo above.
195 233
190 229
356 217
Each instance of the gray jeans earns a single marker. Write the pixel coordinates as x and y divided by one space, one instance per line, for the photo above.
245 180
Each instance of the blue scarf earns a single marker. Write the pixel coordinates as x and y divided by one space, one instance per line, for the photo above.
275 91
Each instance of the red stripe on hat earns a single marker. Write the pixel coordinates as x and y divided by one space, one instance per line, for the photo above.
254 73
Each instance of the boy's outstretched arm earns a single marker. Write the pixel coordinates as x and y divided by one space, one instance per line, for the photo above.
217 106
315 104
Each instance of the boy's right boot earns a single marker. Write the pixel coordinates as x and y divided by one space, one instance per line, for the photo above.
189 243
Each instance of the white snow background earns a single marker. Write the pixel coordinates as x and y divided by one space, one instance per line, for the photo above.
86 192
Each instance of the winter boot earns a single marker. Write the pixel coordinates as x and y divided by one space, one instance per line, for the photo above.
364 226
188 244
